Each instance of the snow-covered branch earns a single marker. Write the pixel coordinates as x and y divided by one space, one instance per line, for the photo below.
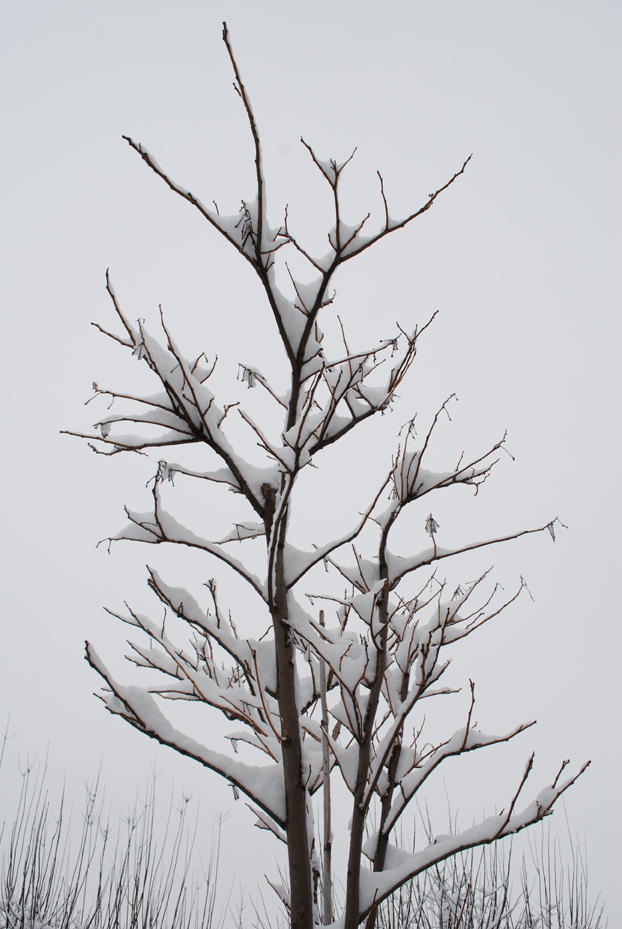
158 526
399 567
346 241
401 865
262 785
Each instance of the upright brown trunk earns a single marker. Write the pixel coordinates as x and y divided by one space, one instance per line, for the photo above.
359 812
327 856
383 839
385 808
301 894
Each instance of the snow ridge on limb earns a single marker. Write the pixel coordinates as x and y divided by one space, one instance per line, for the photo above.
159 526
400 567
234 228
402 866
351 398
262 785
299 563
267 823
186 408
346 241
239 691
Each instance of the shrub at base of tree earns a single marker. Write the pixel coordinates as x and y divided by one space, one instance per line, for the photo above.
87 869
114 873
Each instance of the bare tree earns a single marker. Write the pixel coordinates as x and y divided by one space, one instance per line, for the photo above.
385 651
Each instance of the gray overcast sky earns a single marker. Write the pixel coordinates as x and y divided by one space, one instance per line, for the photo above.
518 259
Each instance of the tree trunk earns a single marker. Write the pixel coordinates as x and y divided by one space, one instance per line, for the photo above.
385 809
359 811
301 894
327 856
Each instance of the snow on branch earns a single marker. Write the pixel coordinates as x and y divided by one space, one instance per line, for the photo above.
251 376
217 628
159 526
346 241
234 228
411 481
186 410
220 476
402 866
262 785
399 567
421 766
298 563
237 691
266 822
346 382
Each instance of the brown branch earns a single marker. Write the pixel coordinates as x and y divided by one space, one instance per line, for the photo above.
438 555
404 222
253 127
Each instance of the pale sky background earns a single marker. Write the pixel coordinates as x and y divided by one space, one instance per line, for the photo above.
518 258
